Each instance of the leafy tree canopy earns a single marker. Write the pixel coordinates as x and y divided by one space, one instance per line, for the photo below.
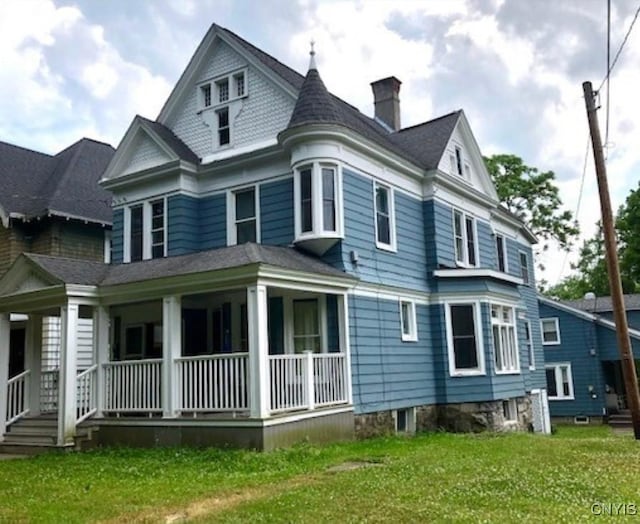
534 197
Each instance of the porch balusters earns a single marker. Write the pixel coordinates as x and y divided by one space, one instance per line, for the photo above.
100 353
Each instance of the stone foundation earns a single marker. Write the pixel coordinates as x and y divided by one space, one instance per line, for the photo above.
468 417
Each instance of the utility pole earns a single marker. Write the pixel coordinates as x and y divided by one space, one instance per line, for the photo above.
615 284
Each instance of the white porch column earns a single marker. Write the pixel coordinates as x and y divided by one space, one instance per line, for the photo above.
258 351
67 383
171 349
343 328
33 361
5 329
100 352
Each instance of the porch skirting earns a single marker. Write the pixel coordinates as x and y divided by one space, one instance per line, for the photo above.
320 426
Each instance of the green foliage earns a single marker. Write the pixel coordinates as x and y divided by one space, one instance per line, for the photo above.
533 196
432 477
628 227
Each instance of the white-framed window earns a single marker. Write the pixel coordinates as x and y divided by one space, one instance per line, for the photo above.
459 169
505 344
405 420
408 324
464 338
223 89
145 230
243 215
318 200
510 410
559 381
524 268
528 342
501 253
550 328
108 246
224 128
384 210
464 232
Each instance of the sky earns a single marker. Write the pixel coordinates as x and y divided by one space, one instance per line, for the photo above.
76 68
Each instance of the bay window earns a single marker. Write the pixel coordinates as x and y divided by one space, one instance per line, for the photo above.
318 206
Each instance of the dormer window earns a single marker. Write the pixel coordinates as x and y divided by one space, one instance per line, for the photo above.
224 131
459 161
318 208
205 92
238 82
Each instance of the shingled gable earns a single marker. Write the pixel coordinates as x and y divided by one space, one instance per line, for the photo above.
36 184
169 147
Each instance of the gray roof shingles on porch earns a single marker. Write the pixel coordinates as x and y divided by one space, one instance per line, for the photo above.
82 272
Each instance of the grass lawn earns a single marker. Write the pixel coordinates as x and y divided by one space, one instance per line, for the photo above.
432 477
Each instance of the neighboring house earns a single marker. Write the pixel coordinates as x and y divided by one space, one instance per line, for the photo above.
582 362
285 267
52 205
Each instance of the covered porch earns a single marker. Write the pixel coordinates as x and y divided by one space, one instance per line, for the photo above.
251 350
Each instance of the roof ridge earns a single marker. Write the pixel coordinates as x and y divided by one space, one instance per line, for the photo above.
442 117
27 149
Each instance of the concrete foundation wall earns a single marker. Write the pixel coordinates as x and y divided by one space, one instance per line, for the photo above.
246 434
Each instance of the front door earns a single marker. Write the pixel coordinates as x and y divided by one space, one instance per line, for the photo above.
16 351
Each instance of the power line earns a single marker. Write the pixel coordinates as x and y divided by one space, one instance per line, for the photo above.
624 41
578 205
606 133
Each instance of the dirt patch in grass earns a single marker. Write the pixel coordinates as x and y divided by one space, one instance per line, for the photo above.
354 464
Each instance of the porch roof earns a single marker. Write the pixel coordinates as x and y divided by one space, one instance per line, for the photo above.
83 272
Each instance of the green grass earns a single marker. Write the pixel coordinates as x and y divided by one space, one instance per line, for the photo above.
433 477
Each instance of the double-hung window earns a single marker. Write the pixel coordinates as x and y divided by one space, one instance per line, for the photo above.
559 381
501 253
505 345
528 341
464 231
524 268
384 217
145 231
224 130
244 223
408 321
464 339
550 328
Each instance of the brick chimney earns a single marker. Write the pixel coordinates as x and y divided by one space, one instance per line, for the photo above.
386 101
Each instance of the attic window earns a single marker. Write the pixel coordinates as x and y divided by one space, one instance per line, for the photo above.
459 161
223 89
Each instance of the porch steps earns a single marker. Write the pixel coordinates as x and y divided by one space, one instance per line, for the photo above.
34 435
621 421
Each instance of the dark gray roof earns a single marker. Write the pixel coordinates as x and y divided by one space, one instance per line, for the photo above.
603 304
314 104
428 141
408 146
35 184
177 146
71 271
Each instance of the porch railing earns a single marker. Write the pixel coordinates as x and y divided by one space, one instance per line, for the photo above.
329 379
49 391
18 396
86 401
133 386
307 381
213 383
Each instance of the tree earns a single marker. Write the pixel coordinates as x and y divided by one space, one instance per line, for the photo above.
534 197
591 270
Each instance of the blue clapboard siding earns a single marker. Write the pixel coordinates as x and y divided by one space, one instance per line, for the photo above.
406 267
276 213
608 344
388 373
579 346
633 318
117 237
534 379
213 222
486 245
182 225
439 235
333 329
